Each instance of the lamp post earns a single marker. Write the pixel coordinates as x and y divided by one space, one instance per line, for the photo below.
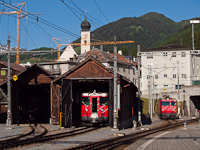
193 22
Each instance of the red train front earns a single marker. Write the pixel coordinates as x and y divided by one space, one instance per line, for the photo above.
168 108
94 107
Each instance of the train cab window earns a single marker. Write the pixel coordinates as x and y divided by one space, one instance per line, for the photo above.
165 103
85 100
173 103
103 100
94 104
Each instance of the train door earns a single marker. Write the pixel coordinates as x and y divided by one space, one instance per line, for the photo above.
94 104
94 114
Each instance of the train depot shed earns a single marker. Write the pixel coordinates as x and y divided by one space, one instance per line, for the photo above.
89 76
30 96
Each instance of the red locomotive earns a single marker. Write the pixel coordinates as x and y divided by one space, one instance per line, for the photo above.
167 108
94 108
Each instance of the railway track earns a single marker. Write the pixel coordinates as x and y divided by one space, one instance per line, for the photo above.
122 142
38 135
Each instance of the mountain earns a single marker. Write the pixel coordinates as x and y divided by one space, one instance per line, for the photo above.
145 30
184 36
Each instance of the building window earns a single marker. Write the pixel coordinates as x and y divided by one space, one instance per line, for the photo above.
176 86
174 65
156 66
166 86
149 56
117 68
165 54
173 54
3 72
165 75
182 65
197 66
156 76
133 71
183 54
148 77
58 66
124 70
174 76
155 87
183 75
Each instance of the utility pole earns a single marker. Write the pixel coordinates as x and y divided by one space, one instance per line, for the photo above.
149 88
115 85
151 92
139 102
178 89
9 113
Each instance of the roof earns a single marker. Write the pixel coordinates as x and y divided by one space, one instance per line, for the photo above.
14 66
103 57
170 47
86 61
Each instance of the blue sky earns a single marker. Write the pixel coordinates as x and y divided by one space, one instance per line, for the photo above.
101 12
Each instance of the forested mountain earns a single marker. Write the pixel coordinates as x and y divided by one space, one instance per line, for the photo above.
145 30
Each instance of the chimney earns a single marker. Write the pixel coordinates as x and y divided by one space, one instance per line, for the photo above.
120 52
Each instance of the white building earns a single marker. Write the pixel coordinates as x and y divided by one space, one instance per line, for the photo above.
164 68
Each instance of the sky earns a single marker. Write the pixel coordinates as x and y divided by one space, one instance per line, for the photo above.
61 19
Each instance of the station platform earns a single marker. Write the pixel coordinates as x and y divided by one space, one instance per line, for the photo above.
184 138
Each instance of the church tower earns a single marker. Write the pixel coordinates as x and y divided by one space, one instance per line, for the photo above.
85 36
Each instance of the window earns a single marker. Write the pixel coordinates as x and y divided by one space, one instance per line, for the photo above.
156 76
174 76
148 77
124 70
149 56
117 68
182 65
156 66
183 54
165 103
197 66
173 54
85 100
183 75
155 87
103 100
176 86
166 86
173 103
174 65
3 72
58 66
165 54
133 71
165 75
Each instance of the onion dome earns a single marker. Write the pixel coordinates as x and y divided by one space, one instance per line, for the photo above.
85 25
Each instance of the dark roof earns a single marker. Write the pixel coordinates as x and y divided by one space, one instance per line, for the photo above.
170 47
103 57
85 25
14 66
83 63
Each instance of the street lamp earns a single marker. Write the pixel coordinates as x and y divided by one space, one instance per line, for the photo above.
193 22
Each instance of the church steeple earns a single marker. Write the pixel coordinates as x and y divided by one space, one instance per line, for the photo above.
85 25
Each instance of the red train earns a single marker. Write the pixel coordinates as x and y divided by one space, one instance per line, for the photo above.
94 107
167 108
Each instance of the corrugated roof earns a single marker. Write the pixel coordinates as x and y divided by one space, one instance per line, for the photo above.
170 47
14 66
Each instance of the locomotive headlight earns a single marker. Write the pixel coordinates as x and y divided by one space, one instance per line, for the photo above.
86 109
102 109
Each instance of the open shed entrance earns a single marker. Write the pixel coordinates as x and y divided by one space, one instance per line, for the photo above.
71 101
34 104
